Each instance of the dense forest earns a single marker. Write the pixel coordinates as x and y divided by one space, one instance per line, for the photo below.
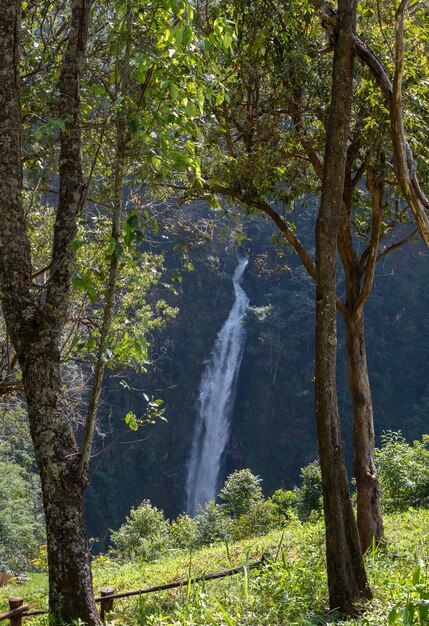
213 251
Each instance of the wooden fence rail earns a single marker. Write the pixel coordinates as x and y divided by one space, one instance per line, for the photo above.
18 610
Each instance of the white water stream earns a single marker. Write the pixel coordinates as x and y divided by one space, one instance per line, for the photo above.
215 402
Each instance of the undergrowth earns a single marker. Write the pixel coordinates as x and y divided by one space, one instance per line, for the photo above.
290 589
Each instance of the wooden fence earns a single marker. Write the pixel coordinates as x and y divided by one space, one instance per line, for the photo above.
18 610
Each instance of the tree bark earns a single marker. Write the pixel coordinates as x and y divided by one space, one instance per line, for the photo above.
35 327
369 513
347 579
359 278
70 579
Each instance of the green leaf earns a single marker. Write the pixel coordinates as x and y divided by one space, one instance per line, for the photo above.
92 293
227 40
186 35
219 98
201 101
393 616
129 235
78 282
98 90
76 244
417 575
191 109
423 611
131 421
133 123
133 220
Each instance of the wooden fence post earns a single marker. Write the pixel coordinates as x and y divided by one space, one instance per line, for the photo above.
106 606
15 603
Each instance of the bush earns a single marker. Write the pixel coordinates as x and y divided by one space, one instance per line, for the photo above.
145 534
403 471
211 524
183 531
284 503
309 497
239 492
260 519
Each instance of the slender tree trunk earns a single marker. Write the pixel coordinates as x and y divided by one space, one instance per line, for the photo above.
346 572
369 514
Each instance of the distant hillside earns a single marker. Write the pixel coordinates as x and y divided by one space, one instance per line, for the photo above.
273 424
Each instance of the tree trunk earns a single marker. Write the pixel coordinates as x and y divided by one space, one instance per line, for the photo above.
369 514
346 572
35 328
70 580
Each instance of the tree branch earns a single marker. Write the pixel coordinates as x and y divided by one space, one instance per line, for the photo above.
404 163
375 185
71 192
110 294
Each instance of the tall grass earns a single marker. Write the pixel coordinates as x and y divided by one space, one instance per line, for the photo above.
289 589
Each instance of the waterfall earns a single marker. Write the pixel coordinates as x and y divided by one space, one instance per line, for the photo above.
215 401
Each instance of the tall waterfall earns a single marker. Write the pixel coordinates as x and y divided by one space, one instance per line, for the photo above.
215 401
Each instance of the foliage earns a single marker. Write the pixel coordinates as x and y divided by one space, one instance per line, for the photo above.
211 524
289 589
259 519
143 536
283 503
240 490
416 609
21 516
308 497
404 471
182 532
20 531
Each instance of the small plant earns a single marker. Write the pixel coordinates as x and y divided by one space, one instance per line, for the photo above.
211 524
145 534
183 532
308 498
403 471
416 608
259 519
283 503
239 492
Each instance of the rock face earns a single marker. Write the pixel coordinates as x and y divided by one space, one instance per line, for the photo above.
273 425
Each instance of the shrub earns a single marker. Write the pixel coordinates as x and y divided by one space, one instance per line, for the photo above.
259 519
403 471
309 497
283 504
145 534
183 532
240 490
211 524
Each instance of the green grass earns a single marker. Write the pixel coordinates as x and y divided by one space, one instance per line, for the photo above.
290 590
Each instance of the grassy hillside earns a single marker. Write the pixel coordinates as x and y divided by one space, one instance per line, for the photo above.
290 589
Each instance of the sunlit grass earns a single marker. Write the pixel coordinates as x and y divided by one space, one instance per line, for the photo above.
290 589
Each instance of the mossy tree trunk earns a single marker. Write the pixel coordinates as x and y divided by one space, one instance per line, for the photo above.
35 325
